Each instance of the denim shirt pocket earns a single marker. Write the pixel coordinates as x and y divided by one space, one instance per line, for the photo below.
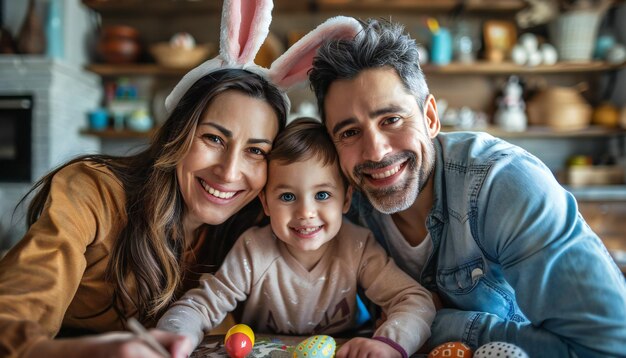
467 287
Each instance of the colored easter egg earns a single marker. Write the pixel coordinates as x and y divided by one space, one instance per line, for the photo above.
315 346
451 350
240 328
501 350
238 345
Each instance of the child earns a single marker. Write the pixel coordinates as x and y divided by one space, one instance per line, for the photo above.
299 275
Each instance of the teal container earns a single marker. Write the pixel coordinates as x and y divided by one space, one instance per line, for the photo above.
441 47
54 30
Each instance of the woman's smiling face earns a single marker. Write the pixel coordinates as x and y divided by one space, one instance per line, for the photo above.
226 165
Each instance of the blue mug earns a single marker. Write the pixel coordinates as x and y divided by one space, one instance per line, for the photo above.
98 119
441 47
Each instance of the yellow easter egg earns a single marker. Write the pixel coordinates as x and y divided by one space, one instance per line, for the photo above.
315 346
240 328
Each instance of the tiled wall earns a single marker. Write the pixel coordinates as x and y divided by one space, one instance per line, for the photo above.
63 95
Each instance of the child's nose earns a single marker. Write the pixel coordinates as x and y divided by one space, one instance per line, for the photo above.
306 210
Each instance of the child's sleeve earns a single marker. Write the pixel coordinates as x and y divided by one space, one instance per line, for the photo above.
409 307
201 309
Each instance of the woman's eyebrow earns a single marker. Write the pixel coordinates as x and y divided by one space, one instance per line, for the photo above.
225 132
229 134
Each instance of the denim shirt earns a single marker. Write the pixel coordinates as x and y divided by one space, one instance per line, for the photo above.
513 260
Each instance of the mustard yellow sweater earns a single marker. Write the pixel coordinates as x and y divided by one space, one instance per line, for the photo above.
54 277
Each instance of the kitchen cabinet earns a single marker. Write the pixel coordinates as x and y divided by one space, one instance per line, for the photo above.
475 84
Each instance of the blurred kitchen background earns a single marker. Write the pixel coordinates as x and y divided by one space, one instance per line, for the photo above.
91 76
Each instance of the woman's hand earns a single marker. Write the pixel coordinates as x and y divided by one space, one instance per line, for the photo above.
367 347
116 344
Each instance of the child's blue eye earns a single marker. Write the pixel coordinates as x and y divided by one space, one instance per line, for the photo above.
322 195
287 197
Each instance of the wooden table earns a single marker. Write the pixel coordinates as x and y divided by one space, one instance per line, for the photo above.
265 346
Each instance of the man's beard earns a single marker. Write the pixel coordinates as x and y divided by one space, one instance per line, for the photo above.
401 196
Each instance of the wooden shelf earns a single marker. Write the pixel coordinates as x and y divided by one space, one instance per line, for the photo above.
110 133
165 7
173 7
599 193
532 132
377 5
134 7
477 68
546 132
137 69
489 68
420 5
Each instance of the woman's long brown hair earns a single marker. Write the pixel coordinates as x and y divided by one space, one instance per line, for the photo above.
148 252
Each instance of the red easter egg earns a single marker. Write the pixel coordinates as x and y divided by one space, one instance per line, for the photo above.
238 345
240 328
451 350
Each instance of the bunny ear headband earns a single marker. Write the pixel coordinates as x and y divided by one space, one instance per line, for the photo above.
245 25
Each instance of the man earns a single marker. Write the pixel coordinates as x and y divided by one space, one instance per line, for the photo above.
481 223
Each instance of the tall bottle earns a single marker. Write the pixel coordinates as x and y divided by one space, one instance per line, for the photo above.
31 39
54 30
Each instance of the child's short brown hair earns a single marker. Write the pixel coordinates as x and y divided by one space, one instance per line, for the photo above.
305 138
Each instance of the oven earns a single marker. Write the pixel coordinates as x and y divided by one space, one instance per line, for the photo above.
16 117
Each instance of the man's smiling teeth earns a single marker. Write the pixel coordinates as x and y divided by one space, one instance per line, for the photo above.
386 174
307 230
216 193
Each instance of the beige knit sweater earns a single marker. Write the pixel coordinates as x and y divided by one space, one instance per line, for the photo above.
282 297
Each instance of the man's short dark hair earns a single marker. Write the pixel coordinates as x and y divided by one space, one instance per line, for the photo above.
380 44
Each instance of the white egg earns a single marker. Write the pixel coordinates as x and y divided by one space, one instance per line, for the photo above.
183 40
549 54
519 54
529 41
534 59
616 54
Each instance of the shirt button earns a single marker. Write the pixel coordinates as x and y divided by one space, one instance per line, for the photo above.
428 279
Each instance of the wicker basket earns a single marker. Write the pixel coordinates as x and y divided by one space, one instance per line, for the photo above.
574 34
560 108
178 57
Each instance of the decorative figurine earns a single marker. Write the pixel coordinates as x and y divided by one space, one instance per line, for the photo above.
510 115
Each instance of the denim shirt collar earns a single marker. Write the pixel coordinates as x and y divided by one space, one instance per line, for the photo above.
438 210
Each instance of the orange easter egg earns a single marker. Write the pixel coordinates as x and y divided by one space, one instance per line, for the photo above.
451 350
238 345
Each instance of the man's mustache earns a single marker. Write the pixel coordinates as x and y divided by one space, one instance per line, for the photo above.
385 162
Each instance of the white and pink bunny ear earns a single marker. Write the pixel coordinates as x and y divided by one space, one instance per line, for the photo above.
292 67
245 25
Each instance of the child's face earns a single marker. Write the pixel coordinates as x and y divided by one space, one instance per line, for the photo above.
305 202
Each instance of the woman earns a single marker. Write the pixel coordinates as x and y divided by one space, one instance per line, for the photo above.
115 237
118 237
